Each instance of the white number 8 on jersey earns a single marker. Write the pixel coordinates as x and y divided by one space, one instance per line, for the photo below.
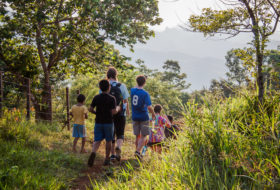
135 100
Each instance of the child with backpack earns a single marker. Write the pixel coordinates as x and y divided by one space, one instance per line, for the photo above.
141 104
104 106
157 134
79 112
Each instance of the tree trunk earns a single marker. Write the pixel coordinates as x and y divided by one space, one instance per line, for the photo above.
260 79
47 99
43 105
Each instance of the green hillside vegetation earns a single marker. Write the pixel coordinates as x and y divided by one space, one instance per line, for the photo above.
35 156
225 144
230 144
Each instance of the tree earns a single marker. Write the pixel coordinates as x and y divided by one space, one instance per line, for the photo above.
62 31
237 72
173 74
223 87
273 69
258 17
142 68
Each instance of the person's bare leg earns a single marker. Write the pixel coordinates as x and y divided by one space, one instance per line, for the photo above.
159 149
92 156
75 144
83 145
113 149
118 149
141 143
95 146
119 143
136 142
108 149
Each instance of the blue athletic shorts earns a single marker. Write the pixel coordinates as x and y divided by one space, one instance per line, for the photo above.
79 131
103 131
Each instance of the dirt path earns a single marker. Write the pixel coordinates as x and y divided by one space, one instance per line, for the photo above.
99 172
81 183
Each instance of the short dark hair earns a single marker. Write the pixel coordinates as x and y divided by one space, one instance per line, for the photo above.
157 108
104 85
81 98
141 80
112 73
170 118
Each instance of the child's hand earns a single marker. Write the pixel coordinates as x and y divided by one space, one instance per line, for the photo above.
118 108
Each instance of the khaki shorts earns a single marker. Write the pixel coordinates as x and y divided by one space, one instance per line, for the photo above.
141 127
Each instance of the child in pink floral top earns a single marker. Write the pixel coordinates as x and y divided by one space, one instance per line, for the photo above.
157 134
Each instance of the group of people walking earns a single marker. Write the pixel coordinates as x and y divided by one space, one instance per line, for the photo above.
111 107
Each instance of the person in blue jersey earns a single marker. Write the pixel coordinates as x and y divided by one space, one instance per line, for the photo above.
141 106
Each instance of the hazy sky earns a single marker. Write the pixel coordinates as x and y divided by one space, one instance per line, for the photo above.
175 13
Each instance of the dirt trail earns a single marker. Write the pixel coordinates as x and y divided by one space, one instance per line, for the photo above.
84 181
91 172
98 171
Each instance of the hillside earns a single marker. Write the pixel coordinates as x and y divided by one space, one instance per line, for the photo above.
200 58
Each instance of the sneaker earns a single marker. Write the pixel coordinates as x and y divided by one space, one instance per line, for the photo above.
107 162
138 155
118 151
91 159
113 157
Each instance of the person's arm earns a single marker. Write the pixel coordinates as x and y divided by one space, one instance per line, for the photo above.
92 106
151 110
125 95
91 110
127 107
86 112
149 104
115 109
71 114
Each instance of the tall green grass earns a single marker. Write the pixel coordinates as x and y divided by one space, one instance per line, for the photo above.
35 156
226 144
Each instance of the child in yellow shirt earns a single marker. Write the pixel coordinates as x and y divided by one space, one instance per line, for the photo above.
79 112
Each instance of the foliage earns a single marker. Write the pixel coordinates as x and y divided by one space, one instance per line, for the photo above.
225 145
257 17
273 69
67 37
27 161
162 92
172 73
237 73
222 87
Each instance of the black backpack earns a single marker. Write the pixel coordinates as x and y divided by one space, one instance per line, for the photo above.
116 92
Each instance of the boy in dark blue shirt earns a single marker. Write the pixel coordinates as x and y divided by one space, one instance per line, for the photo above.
141 104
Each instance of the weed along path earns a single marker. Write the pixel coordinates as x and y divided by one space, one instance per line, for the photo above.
99 173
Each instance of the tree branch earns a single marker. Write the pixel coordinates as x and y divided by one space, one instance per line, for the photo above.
273 7
39 47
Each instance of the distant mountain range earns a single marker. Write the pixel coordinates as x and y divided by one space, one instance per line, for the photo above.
200 58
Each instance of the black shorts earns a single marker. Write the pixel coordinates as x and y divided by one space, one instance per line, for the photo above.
119 123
